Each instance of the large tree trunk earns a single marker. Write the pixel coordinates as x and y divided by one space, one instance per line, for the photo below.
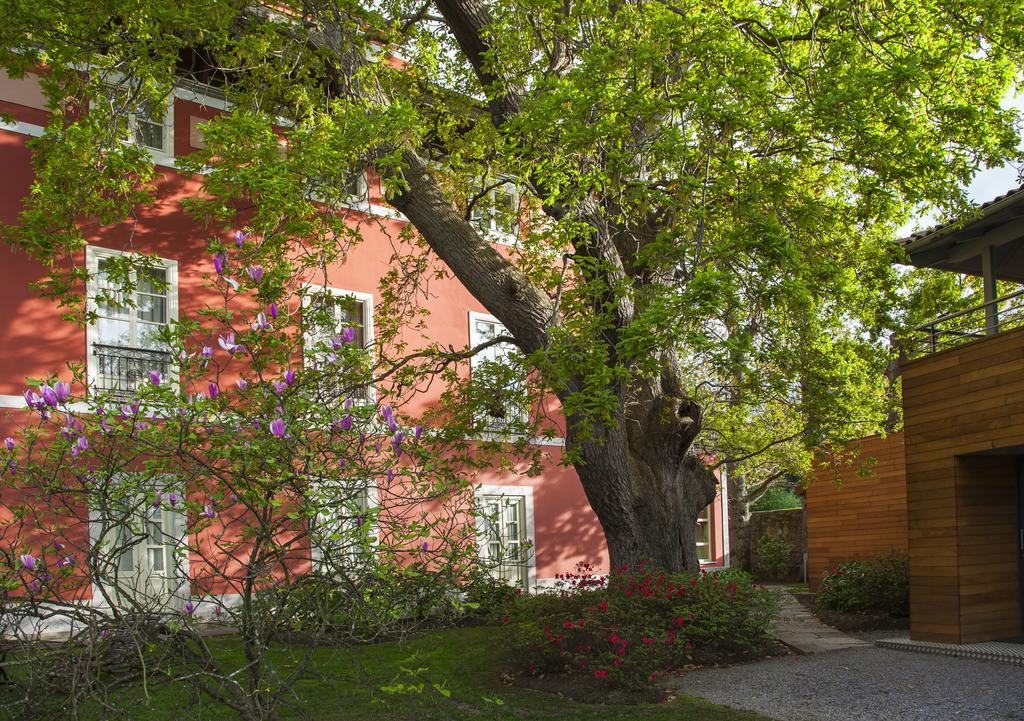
740 545
644 482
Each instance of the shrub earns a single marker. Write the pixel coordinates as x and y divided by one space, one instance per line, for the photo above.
642 622
879 584
773 553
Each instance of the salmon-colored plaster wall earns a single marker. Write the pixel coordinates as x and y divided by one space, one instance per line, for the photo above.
35 341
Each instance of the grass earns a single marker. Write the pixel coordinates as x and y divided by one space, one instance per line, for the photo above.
459 670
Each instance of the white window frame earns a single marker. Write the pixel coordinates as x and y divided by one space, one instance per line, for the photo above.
709 512
368 336
529 531
163 156
474 340
316 552
488 225
93 256
179 591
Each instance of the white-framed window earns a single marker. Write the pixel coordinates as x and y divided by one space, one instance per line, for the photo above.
496 212
124 341
705 551
505 533
141 549
358 189
152 127
342 531
497 370
336 310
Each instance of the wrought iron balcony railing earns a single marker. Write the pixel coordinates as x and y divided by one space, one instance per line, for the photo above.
119 369
948 331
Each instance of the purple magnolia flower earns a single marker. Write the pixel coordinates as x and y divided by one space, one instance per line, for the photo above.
386 412
277 427
156 501
214 390
335 343
218 610
28 562
240 238
105 633
228 343
218 262
207 352
49 395
256 423
242 384
190 608
261 322
172 498
347 404
376 446
35 586
208 510
256 273
104 425
341 464
346 423
62 391
417 431
233 283
272 310
234 498
9 443
66 561
154 377
34 401
279 387
390 474
425 546
80 445
57 545
289 376
348 334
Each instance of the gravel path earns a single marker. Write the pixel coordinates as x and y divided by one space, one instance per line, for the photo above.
866 684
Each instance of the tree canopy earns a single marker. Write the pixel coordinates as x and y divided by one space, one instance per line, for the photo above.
709 189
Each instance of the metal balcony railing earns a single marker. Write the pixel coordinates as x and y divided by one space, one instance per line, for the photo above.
119 369
948 331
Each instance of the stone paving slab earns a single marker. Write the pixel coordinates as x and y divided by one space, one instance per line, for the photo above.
801 630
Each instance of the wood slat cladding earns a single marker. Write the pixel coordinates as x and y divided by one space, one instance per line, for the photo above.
858 509
961 506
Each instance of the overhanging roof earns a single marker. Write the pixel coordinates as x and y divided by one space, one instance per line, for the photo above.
957 246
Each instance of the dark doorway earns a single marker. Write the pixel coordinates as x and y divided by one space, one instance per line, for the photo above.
1020 540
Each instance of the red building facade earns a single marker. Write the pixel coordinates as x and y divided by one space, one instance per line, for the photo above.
549 510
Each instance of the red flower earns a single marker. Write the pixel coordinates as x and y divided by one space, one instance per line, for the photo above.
600 673
603 606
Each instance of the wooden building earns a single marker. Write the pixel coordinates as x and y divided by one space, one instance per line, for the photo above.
856 504
963 399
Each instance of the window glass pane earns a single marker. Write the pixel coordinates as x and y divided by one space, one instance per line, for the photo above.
149 128
110 331
152 281
506 215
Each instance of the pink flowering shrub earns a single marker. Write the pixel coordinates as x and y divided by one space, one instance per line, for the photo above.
631 628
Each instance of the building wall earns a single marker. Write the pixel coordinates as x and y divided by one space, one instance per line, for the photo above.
789 523
35 341
962 507
856 509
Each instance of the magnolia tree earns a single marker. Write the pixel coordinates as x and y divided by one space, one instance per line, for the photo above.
705 191
257 489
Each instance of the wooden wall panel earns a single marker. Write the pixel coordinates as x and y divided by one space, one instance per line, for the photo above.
854 516
961 506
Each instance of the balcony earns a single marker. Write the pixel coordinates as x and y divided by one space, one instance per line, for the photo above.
987 319
120 369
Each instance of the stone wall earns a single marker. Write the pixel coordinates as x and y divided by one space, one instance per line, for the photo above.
788 522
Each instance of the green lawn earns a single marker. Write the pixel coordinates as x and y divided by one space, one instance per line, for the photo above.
465 663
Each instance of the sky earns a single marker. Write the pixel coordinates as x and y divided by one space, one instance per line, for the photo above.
988 184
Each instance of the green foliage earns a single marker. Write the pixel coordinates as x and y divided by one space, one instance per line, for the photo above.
773 553
777 499
629 630
878 584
